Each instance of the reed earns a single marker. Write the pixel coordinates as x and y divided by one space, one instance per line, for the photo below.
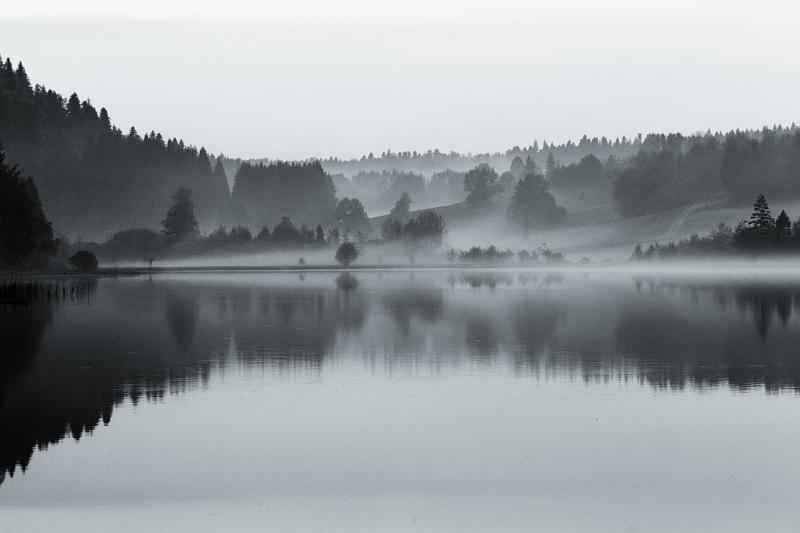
24 290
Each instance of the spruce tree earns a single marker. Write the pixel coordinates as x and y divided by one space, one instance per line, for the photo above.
24 88
9 77
761 221
783 227
551 166
26 237
219 171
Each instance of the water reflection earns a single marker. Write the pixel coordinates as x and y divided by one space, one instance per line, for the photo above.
65 367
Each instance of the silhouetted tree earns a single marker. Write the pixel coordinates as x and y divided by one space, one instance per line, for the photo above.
346 254
136 243
401 208
263 235
180 222
286 234
479 184
783 227
303 192
533 206
26 237
319 235
93 179
350 216
427 226
84 261
241 234
761 222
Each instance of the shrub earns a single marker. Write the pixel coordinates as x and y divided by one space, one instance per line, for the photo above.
347 253
84 261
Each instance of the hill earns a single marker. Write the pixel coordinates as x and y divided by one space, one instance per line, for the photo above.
92 178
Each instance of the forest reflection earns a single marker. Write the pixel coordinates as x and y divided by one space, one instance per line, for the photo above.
66 366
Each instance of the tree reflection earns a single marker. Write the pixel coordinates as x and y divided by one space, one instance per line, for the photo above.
64 373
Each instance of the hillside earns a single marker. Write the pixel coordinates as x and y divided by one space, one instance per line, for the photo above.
92 178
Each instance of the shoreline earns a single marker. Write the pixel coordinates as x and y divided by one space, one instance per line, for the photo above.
719 268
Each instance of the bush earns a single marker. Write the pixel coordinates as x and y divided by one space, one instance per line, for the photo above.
347 253
84 261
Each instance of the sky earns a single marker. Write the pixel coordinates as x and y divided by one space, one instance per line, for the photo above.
297 79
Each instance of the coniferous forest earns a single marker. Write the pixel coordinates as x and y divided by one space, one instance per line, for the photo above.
88 180
92 177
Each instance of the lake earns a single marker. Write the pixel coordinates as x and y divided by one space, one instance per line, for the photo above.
429 400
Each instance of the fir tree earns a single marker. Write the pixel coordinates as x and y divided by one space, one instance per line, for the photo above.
761 221
23 83
26 237
783 227
551 166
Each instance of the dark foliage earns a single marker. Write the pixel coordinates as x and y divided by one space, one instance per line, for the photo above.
492 254
427 227
180 222
533 206
761 235
92 178
84 261
350 217
347 253
674 170
286 235
401 207
264 194
136 243
479 184
26 237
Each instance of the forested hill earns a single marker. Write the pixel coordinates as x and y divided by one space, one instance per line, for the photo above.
435 161
92 178
264 194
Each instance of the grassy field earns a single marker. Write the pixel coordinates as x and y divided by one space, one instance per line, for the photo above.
594 229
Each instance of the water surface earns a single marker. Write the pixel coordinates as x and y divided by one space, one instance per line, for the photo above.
404 400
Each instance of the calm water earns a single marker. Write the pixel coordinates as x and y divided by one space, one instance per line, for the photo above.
404 401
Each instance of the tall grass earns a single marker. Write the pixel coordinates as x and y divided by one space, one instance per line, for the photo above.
23 291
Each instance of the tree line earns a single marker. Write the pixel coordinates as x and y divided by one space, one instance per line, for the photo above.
761 235
90 175
682 170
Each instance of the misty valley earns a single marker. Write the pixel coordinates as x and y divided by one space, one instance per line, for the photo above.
373 311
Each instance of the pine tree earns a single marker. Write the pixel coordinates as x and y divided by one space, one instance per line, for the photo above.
9 80
219 171
26 237
24 88
551 166
105 121
761 221
783 227
263 235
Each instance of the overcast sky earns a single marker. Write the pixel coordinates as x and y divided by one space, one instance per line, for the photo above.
294 79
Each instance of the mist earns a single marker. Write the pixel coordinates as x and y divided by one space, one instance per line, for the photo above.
402 265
